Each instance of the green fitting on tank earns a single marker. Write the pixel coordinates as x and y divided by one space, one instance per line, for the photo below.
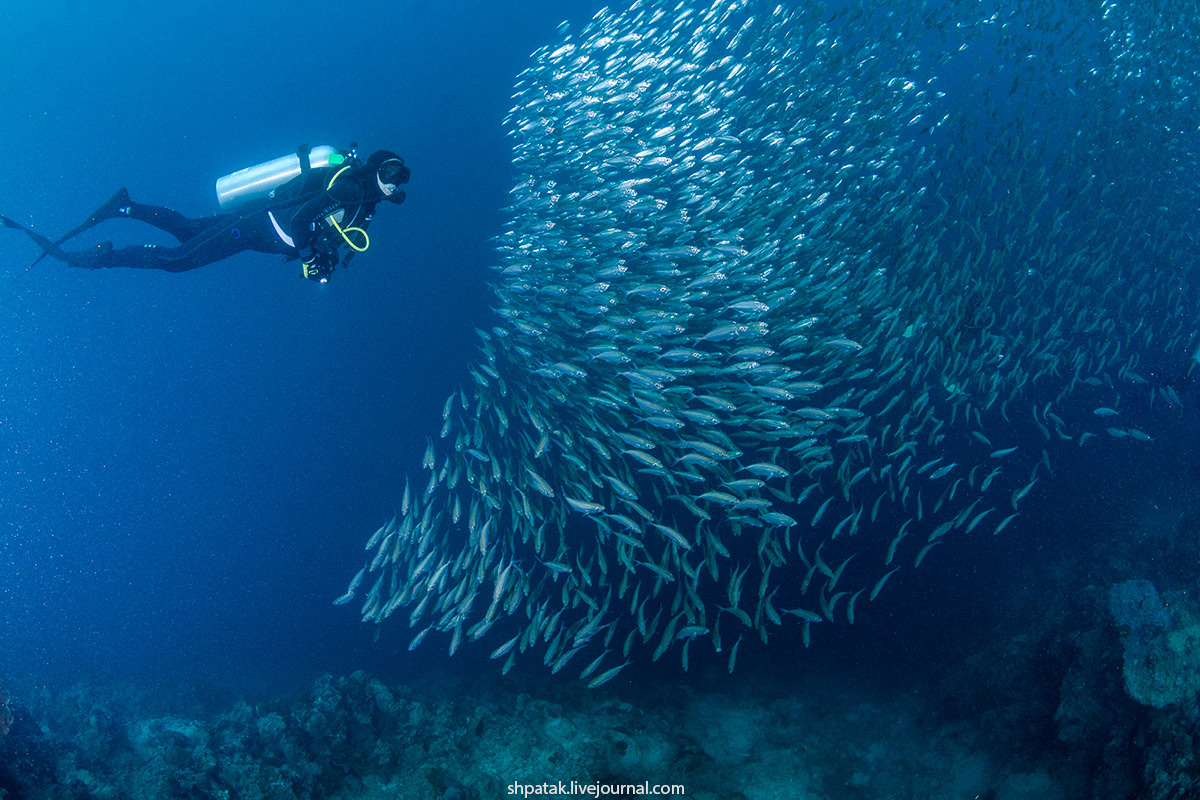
336 158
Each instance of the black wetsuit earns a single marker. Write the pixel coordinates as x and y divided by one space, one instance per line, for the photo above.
299 207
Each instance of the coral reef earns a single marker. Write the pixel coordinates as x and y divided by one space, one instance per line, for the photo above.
355 738
1096 672
1051 721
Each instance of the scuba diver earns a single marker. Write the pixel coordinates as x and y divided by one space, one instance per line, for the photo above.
303 206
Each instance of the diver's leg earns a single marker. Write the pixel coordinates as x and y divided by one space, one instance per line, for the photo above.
121 205
186 257
145 257
216 243
231 235
168 259
110 209
166 219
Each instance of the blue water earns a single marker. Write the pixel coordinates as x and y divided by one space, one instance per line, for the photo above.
189 463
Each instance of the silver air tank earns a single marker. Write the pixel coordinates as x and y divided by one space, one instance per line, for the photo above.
257 182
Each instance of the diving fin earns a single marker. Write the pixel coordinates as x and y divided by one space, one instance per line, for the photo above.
111 208
50 248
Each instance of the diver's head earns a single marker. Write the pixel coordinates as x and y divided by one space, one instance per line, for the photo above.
390 173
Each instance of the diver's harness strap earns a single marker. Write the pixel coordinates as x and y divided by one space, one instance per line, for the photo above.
302 152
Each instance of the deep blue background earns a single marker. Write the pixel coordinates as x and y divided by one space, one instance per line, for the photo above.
189 463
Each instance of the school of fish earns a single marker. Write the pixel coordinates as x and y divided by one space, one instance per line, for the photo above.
785 297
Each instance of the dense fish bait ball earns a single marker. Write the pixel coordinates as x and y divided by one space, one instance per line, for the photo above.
765 339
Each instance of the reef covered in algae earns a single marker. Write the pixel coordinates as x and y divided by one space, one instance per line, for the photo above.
354 737
1034 710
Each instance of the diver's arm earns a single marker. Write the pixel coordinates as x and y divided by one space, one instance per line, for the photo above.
303 227
307 220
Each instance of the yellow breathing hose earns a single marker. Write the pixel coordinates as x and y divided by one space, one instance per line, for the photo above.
345 232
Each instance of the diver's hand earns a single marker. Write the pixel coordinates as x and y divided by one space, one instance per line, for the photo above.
317 265
313 254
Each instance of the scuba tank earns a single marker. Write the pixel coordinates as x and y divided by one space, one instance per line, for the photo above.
257 182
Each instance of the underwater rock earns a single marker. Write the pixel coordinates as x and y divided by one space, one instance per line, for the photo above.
1136 604
1162 644
1172 756
26 757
